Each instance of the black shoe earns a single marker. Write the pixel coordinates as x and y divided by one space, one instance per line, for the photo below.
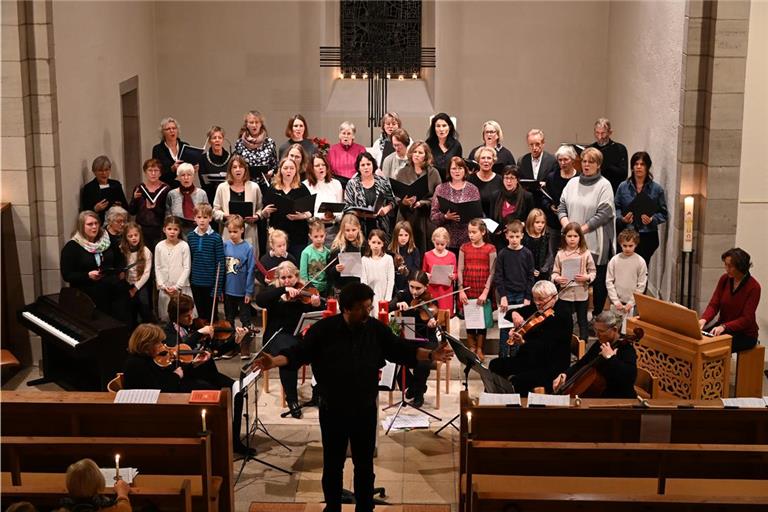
295 410
311 403
239 447
410 393
418 400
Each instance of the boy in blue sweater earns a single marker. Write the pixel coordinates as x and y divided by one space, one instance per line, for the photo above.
207 251
513 276
238 287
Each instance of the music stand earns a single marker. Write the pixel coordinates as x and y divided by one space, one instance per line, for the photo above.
493 383
403 403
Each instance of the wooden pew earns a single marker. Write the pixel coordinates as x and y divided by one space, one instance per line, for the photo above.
552 452
46 497
81 414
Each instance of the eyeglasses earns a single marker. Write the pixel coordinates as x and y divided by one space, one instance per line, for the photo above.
490 132
510 177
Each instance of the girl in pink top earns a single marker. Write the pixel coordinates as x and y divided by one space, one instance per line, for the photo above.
440 255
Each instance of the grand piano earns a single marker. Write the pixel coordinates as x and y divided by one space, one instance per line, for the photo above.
83 348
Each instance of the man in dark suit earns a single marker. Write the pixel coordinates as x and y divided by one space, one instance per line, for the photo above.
615 166
538 163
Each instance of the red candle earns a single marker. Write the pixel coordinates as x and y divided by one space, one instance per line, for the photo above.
327 313
332 306
384 305
383 317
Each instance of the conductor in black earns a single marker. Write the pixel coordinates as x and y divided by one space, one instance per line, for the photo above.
346 352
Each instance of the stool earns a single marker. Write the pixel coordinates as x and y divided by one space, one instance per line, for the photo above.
749 371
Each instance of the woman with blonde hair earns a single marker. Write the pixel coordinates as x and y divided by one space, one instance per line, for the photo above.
215 159
255 145
382 147
487 182
168 150
286 183
492 138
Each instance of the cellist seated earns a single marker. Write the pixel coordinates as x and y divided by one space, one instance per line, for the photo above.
614 361
544 345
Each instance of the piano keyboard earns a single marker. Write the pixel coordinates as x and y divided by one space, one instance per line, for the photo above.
66 338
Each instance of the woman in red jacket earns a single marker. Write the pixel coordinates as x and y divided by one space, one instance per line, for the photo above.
735 298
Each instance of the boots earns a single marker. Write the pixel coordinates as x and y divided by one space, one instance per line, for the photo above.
471 344
480 341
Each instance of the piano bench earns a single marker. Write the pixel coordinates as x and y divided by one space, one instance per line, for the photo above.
749 371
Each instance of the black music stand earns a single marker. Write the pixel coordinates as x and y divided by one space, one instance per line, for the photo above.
403 403
493 383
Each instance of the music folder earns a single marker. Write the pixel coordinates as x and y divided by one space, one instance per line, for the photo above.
370 210
419 188
191 154
286 205
259 172
241 208
467 211
642 204
331 207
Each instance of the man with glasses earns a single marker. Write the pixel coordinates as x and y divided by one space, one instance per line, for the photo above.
538 163
544 350
617 362
346 352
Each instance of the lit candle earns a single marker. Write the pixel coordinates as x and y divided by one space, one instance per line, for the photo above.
203 415
117 466
469 422
331 305
688 224
383 317
384 305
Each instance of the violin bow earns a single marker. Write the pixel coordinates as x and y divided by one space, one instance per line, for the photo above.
215 294
434 299
309 281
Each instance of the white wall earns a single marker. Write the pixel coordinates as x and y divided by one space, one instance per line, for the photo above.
753 179
98 45
645 45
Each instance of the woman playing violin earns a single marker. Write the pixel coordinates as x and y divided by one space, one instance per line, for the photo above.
415 302
617 363
286 300
543 345
151 365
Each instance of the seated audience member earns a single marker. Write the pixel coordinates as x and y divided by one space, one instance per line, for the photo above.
148 203
641 181
735 299
538 163
398 159
297 132
25 506
614 153
181 201
168 150
492 138
382 147
85 482
343 155
617 362
91 263
256 146
283 301
443 140
544 351
150 364
101 193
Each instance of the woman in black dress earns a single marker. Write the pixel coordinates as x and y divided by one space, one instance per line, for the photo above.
102 193
444 142
286 183
168 150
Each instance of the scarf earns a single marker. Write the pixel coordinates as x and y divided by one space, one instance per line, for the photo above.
590 180
254 143
187 206
97 247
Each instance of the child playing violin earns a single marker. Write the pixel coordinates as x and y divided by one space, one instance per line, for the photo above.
151 365
284 300
415 302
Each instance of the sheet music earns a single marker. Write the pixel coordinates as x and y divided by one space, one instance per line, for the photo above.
127 474
499 398
503 322
570 268
441 274
252 376
405 421
474 315
387 379
491 225
137 396
549 400
353 264
745 403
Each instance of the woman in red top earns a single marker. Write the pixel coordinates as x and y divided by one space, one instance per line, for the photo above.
477 259
735 298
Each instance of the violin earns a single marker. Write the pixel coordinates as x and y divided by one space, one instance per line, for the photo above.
587 382
306 292
425 307
400 266
531 323
181 354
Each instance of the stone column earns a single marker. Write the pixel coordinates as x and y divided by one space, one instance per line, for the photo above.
710 151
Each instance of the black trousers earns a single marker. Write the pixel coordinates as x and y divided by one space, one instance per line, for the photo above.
649 242
203 301
599 291
288 377
354 426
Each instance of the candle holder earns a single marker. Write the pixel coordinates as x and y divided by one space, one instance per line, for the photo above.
332 305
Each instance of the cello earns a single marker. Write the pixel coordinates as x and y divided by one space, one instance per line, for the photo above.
588 382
